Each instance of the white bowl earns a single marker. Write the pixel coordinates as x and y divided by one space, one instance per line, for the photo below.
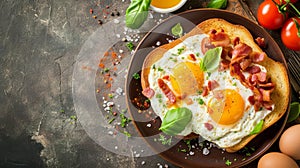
168 10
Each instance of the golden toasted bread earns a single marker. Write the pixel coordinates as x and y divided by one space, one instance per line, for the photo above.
275 70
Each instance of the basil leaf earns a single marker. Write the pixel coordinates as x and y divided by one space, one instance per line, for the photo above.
257 127
211 59
176 120
137 13
217 4
294 111
177 30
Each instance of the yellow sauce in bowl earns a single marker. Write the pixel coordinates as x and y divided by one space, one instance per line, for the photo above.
166 6
164 3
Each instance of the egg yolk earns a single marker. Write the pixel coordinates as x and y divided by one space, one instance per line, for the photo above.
187 78
164 3
226 107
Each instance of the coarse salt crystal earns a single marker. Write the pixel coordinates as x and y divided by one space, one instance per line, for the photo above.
121 51
192 153
116 21
110 104
205 151
148 125
158 43
143 163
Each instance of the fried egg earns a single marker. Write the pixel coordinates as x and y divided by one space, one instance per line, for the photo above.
224 116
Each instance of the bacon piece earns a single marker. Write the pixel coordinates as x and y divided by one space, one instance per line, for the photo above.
261 42
266 94
166 77
148 92
192 57
206 45
268 105
257 57
219 39
167 91
208 126
251 100
259 77
236 41
245 63
212 85
205 91
253 69
240 51
224 64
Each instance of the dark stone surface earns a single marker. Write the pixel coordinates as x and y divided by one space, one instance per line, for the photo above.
39 43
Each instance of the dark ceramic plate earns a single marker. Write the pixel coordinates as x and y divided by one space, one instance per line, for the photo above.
216 157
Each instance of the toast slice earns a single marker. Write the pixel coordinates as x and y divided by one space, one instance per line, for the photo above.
275 70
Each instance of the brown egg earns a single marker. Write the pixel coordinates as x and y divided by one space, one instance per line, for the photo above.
289 142
276 160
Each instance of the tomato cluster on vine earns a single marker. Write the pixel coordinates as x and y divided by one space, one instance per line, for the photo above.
276 14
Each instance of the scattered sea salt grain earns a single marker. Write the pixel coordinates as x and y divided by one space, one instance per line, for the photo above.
116 21
148 125
192 153
110 133
107 159
138 155
116 147
205 151
107 109
121 51
143 163
110 104
119 91
158 43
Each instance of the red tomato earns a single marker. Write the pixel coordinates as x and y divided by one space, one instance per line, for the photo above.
289 34
269 16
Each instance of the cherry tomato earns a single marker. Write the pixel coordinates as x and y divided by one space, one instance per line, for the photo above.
269 16
289 34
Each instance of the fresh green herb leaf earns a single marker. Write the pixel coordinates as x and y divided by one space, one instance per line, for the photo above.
164 140
160 69
188 143
136 76
234 84
130 46
177 30
176 120
183 150
73 117
111 120
127 134
200 101
153 66
211 59
110 95
124 120
217 4
257 127
228 162
294 111
106 70
199 92
137 13
180 50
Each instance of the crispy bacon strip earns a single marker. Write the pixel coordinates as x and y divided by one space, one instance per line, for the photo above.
219 39
212 84
261 42
208 126
148 92
167 91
